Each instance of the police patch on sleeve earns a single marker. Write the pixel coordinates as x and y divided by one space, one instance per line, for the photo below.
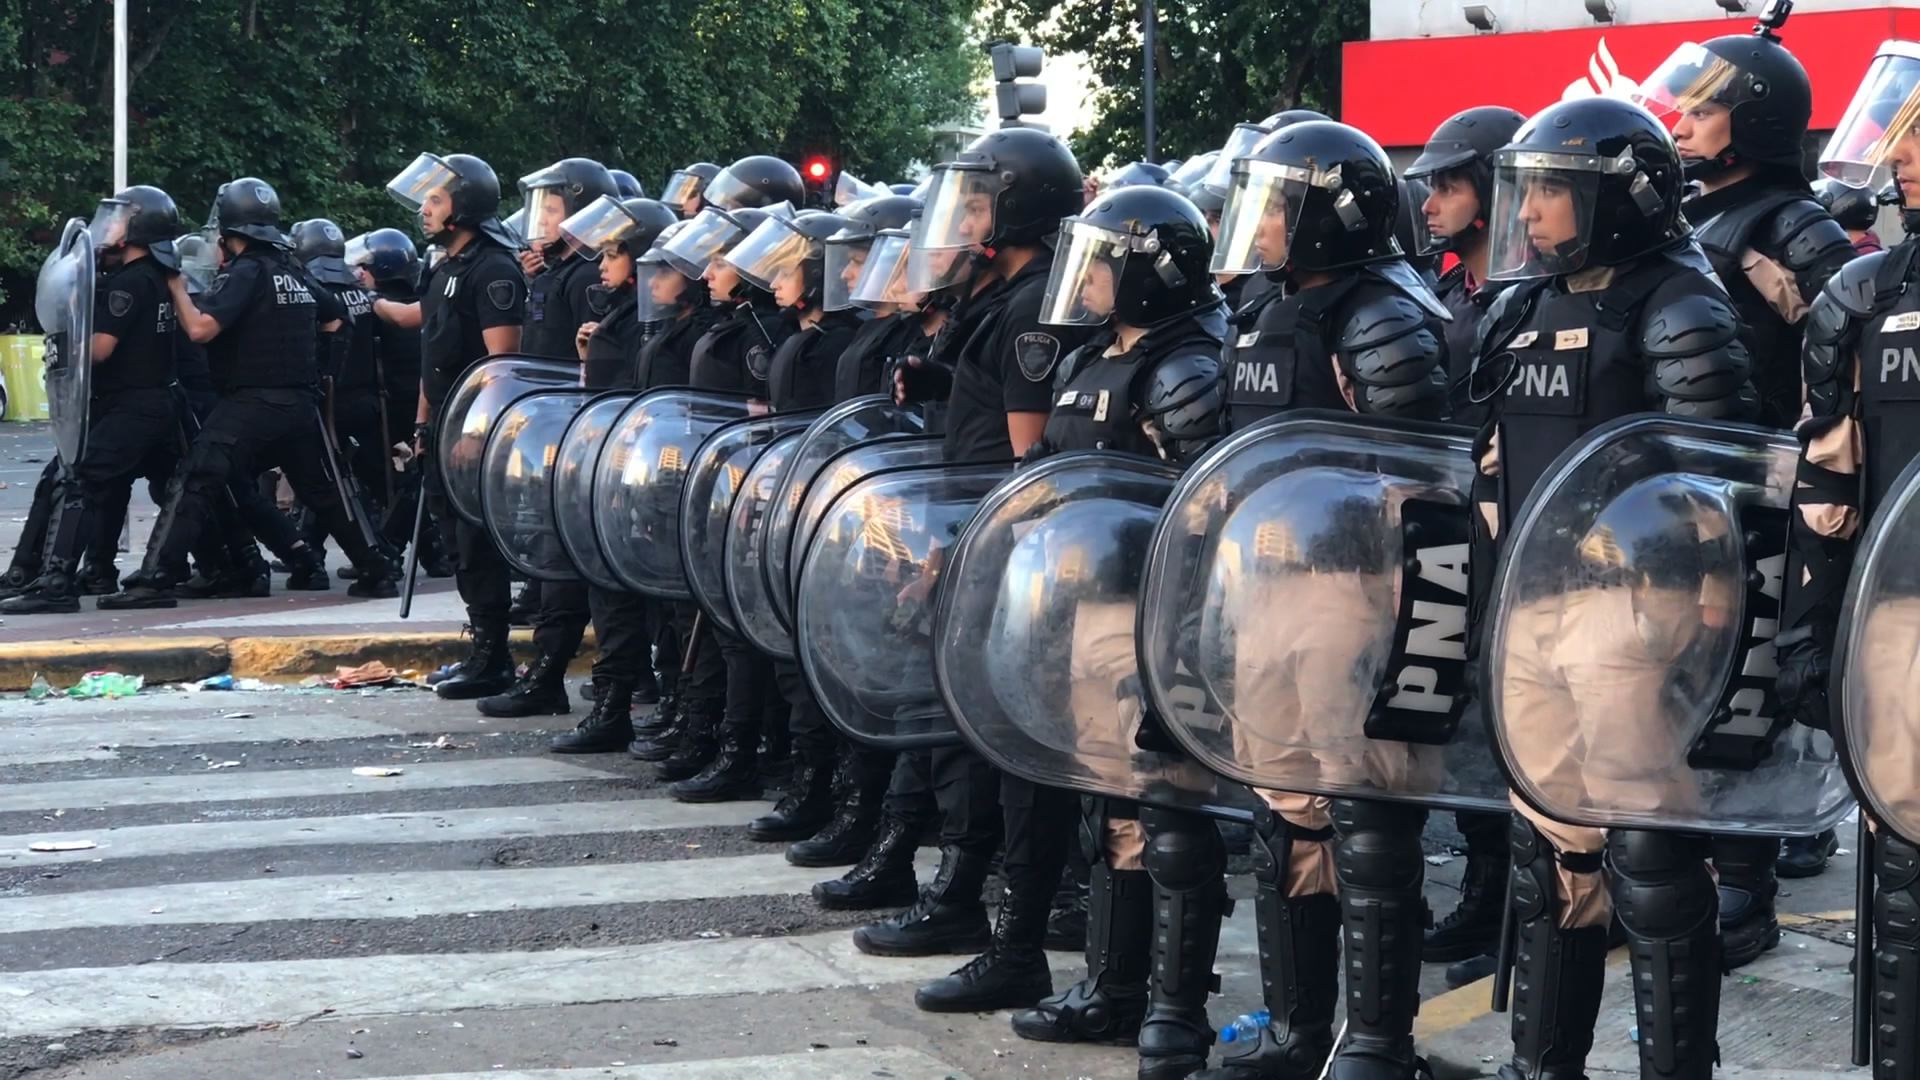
119 302
1036 351
501 294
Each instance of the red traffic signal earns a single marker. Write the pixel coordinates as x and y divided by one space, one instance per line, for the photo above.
818 168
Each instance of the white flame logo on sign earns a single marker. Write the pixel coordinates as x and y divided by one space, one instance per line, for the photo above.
1603 79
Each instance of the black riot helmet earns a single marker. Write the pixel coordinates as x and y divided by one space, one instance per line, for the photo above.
248 207
786 256
1240 142
472 190
139 216
1316 195
198 261
321 247
1464 143
1594 182
387 255
1855 208
1137 255
743 221
1008 187
627 184
756 181
559 191
847 249
1761 85
631 225
689 183
1137 173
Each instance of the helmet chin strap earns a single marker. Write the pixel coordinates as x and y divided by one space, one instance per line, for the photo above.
1711 167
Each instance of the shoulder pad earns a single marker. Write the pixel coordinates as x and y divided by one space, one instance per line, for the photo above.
1387 339
1802 233
1403 277
1690 337
1185 395
1829 330
1852 287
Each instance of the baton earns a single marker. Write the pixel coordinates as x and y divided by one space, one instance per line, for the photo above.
413 550
1503 956
691 650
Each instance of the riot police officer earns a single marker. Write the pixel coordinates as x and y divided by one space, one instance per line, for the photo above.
1136 263
1612 311
871 223
561 283
261 317
1860 433
626 185
388 266
686 188
1856 209
472 306
983 235
1740 105
1351 326
131 415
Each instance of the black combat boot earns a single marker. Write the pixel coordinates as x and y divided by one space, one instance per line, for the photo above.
542 691
730 777
307 570
487 671
142 590
803 811
655 737
860 785
882 878
376 578
1011 974
1067 922
18 579
1748 925
53 594
1473 928
99 580
1107 1005
606 729
948 916
1558 974
697 743
1806 856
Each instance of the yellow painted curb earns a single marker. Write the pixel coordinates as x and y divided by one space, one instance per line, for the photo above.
298 657
160 659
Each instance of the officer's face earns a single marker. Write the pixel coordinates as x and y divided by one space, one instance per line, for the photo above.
435 211
856 261
666 285
721 279
976 218
616 268
1271 239
1547 210
1097 294
692 205
1704 131
1453 205
789 286
365 279
552 213
1904 160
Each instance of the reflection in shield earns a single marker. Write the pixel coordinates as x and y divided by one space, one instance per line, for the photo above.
1877 658
745 550
637 484
713 480
1308 581
1631 637
1034 637
518 482
574 470
868 582
470 411
841 472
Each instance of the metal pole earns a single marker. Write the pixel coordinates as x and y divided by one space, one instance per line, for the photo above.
119 95
1148 32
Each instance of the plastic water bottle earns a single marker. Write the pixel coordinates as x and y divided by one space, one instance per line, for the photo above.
1248 1026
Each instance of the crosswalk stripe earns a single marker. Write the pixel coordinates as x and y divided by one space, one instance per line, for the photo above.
76 739
233 785
409 894
68 1000
55 757
900 1061
406 827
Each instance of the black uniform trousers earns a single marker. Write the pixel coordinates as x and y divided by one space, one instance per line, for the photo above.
363 442
231 543
749 686
482 577
702 683
624 628
560 622
248 431
954 782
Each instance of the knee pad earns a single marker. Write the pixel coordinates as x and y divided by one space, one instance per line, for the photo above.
1093 829
1184 851
1661 886
1379 844
1273 840
1896 867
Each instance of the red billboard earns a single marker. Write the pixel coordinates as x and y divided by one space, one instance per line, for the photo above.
1399 91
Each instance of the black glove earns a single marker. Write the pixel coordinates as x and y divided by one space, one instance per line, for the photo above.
920 379
1036 450
1806 664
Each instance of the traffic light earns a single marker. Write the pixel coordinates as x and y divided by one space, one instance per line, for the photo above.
1014 99
817 171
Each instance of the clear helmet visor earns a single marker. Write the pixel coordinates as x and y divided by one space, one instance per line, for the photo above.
930 269
959 208
846 261
705 235
681 186
729 192
1193 171
849 189
546 210
1541 220
1240 142
414 183
883 277
357 252
1084 283
657 289
599 225
1261 214
773 250
109 227
516 226
1693 79
1883 119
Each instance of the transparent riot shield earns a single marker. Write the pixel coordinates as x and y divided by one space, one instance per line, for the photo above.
868 582
1630 637
745 550
841 472
1309 582
470 411
63 300
638 479
706 502
850 422
1877 659
517 482
573 473
1034 645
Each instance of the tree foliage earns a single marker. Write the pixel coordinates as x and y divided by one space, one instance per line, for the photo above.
1217 63
327 99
